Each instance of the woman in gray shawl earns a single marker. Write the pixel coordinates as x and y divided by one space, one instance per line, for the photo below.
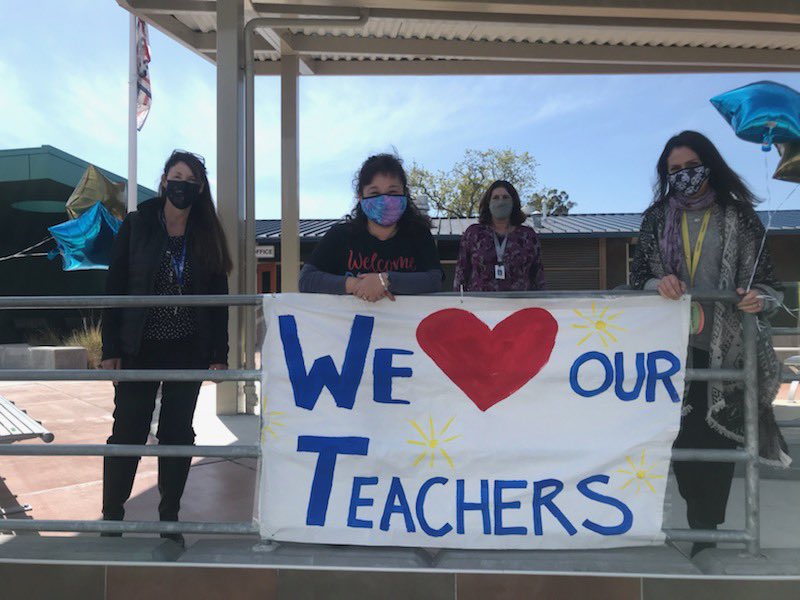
701 232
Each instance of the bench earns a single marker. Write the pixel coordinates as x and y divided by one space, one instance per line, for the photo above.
17 425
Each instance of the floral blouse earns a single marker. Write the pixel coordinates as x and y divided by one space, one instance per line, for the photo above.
477 259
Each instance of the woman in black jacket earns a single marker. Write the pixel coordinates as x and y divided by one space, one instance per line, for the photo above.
173 244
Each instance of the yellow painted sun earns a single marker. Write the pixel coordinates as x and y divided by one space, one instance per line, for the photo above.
272 421
432 442
599 324
639 473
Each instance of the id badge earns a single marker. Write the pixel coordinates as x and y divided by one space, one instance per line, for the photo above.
499 271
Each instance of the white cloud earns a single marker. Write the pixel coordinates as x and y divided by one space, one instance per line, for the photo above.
22 124
69 89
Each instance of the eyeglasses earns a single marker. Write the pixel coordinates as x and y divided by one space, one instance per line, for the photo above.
186 152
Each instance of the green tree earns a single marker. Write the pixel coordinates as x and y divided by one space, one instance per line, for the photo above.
457 192
551 202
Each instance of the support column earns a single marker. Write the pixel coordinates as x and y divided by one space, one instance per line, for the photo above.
230 178
133 94
290 173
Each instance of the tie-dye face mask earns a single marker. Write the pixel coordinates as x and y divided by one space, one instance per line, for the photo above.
385 210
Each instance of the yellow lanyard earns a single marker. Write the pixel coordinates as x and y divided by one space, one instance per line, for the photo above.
693 258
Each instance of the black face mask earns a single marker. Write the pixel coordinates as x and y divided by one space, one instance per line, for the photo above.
182 194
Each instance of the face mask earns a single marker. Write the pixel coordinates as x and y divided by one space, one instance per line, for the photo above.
501 207
384 209
687 182
182 194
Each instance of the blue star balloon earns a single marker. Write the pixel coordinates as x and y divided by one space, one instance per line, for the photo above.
764 112
85 242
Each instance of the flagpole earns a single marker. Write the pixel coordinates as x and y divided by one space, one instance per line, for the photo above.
133 89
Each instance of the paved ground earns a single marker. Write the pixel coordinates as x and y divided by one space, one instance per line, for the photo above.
71 487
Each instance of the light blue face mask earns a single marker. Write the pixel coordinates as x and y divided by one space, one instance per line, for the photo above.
384 209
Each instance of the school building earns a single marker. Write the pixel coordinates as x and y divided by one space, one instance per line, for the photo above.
580 251
35 184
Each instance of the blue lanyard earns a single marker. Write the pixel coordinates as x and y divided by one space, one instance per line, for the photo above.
179 264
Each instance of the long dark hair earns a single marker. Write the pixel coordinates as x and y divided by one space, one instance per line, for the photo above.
485 215
728 186
207 236
386 164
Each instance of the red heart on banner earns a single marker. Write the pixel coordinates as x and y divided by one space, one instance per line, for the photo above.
488 364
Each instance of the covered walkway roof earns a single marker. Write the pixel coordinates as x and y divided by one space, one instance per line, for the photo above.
245 38
417 37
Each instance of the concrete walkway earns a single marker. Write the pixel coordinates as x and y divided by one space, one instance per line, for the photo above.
71 487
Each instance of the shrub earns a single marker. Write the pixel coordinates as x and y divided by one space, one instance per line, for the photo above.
89 337
44 337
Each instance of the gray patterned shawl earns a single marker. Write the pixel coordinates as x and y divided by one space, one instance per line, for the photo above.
741 233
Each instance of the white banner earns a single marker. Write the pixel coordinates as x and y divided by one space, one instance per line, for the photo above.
470 423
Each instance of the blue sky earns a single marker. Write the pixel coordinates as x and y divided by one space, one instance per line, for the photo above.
64 74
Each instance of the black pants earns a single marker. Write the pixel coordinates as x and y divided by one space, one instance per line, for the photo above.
134 403
704 485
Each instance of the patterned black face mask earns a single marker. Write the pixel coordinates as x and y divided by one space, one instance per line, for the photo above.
687 182
182 194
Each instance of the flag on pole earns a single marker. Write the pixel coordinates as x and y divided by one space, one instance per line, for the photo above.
144 96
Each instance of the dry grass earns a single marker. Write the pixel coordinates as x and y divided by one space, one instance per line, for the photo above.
89 337
44 337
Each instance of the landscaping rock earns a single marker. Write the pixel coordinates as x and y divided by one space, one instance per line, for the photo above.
15 356
59 357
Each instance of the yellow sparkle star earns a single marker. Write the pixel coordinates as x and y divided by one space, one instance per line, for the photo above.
599 324
639 473
272 420
432 442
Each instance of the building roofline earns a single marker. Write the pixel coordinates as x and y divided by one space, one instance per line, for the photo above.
576 226
47 150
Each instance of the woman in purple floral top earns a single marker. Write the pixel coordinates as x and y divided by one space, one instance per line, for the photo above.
499 253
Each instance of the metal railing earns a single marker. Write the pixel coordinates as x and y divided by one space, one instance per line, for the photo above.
240 451
750 535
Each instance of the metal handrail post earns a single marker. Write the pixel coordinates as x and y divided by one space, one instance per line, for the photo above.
43 302
160 450
752 492
202 527
250 398
359 18
128 375
715 536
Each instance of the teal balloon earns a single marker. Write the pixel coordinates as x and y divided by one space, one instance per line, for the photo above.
764 112
85 242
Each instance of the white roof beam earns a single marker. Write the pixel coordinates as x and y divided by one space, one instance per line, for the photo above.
173 28
779 24
481 67
746 10
740 10
159 14
173 7
741 58
277 39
